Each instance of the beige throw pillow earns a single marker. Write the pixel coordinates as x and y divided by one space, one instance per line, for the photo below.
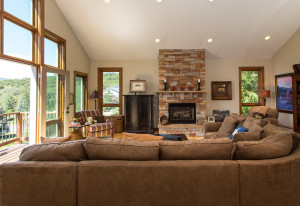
228 126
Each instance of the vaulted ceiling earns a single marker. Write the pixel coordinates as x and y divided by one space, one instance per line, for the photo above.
127 29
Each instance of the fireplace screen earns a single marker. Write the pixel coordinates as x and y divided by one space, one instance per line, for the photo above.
182 113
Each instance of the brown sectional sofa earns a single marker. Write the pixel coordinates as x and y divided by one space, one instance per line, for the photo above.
166 173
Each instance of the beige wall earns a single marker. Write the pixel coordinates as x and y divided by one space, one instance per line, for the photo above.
216 70
228 70
77 58
282 62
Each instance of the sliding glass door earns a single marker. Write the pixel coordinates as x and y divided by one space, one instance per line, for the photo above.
55 103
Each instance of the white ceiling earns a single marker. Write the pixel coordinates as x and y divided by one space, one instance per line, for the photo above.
126 29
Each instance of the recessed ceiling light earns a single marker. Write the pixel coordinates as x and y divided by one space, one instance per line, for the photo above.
157 40
209 40
210 0
267 37
158 1
107 1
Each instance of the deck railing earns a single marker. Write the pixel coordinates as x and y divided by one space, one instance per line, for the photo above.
14 127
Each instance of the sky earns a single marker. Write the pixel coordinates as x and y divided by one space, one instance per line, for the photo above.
285 82
17 40
13 70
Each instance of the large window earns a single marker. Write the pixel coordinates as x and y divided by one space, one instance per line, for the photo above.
54 50
251 83
80 91
110 88
20 26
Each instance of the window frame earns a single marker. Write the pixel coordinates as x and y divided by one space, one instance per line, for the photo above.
61 50
86 83
100 88
35 29
261 86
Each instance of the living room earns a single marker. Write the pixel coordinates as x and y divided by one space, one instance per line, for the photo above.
212 40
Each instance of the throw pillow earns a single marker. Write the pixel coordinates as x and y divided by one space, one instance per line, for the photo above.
55 139
90 120
228 126
250 121
255 129
100 119
237 130
142 137
240 118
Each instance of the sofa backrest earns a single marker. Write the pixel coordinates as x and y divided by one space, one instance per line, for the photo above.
88 113
272 113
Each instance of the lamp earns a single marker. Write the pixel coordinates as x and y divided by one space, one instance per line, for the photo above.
264 94
95 95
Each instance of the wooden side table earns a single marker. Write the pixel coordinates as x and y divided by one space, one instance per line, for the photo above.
77 132
119 123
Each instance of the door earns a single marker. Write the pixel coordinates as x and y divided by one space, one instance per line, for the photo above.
55 103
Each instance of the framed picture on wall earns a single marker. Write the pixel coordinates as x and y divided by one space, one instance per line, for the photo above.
221 90
137 86
284 92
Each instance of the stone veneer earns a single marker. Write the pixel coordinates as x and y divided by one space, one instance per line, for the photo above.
182 67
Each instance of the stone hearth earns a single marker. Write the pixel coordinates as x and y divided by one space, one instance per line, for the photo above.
182 69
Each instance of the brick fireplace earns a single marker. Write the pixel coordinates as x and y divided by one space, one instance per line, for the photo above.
181 69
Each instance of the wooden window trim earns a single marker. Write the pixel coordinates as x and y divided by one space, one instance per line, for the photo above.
61 49
260 87
36 28
100 88
86 83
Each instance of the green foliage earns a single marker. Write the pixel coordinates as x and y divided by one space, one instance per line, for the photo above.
110 80
52 101
79 94
249 86
15 95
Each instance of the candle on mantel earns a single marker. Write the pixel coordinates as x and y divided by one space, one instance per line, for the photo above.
199 80
165 80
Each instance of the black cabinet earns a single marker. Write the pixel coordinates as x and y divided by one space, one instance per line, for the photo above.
139 113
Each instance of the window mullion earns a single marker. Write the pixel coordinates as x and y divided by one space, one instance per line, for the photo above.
18 21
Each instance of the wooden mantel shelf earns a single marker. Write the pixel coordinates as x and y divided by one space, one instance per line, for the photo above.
180 92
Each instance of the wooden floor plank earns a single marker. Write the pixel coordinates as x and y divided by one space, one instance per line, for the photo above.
12 153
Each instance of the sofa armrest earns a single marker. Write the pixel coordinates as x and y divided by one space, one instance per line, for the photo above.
246 136
211 126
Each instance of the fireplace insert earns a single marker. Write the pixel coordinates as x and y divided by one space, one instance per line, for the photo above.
182 113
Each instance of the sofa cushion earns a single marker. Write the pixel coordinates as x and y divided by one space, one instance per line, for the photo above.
246 136
205 149
120 149
213 135
270 129
142 137
66 151
228 126
55 139
251 121
240 118
238 130
255 128
277 145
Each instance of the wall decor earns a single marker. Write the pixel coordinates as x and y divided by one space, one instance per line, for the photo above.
211 119
71 98
221 90
284 92
137 86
